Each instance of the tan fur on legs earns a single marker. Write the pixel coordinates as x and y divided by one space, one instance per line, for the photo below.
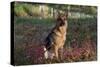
61 53
56 52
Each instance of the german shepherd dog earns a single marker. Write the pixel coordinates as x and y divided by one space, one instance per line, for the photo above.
56 39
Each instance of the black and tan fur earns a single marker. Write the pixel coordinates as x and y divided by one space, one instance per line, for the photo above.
56 38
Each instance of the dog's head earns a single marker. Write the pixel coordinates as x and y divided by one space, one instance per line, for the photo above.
62 18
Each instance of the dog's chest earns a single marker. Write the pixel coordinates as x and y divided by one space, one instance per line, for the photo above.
60 35
61 31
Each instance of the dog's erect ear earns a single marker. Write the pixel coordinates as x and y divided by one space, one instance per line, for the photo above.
62 15
66 14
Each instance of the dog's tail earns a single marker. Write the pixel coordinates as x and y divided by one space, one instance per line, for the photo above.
48 42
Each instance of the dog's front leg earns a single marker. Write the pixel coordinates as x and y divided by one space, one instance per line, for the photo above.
61 53
56 52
